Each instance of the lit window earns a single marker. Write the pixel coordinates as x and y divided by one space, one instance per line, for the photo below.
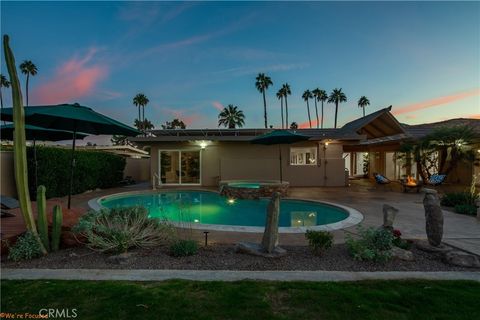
303 156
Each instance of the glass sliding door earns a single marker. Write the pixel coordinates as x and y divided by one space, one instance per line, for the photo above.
179 167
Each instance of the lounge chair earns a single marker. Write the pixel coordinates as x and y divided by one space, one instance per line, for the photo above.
381 179
9 202
436 179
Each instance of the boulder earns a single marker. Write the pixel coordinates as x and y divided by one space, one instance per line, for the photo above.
433 217
462 259
122 258
270 235
389 214
402 254
427 247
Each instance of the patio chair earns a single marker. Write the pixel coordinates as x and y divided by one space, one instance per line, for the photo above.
9 202
382 180
436 179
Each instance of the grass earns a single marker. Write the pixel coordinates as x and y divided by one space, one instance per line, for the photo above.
247 299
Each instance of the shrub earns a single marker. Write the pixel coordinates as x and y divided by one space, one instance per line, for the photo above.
469 209
120 229
398 241
93 169
26 248
453 199
372 245
183 248
319 240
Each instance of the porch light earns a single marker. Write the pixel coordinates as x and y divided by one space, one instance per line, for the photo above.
203 144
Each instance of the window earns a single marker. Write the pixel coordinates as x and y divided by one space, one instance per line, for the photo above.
303 156
180 167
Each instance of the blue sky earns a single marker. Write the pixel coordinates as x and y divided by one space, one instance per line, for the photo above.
191 58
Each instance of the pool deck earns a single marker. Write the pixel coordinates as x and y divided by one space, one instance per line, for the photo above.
459 230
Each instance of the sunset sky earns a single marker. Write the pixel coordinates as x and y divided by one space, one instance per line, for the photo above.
191 59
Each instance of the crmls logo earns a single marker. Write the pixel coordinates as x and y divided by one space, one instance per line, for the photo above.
58 313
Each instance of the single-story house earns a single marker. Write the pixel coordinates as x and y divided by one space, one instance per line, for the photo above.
206 156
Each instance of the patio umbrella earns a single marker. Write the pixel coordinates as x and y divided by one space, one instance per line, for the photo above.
34 133
74 118
279 137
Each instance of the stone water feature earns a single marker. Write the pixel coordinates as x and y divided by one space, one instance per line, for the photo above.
252 189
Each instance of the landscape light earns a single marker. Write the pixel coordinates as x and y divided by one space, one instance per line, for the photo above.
231 201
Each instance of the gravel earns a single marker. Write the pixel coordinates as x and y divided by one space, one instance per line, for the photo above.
224 257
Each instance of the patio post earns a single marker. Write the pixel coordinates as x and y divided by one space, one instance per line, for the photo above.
72 165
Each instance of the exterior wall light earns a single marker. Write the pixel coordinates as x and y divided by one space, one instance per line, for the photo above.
203 144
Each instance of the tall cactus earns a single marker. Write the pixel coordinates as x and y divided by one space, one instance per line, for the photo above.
42 222
19 144
56 227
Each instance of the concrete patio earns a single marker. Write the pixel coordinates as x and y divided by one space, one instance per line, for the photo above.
459 230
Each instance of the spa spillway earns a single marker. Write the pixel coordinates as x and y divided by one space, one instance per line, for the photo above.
246 189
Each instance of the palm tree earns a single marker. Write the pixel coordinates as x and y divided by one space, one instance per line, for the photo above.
336 97
140 101
362 103
27 67
306 96
293 126
4 83
231 117
262 83
286 92
280 95
322 96
316 94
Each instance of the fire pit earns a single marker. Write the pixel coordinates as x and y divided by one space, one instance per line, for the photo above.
411 184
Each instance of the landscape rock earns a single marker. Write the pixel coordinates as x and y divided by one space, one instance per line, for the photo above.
270 235
427 247
389 214
402 254
462 259
122 258
258 250
433 217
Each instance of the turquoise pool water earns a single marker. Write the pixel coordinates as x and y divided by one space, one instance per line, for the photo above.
205 207
249 185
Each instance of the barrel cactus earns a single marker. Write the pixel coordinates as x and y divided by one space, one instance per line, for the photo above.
56 227
19 145
42 222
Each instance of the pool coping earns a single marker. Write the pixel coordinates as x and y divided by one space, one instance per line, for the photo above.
354 216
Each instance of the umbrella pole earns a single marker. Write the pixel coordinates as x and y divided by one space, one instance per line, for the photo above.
35 164
72 165
280 158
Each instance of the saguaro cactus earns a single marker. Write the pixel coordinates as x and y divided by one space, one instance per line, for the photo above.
42 222
56 227
19 144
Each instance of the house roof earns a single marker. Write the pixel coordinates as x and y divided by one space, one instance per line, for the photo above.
376 125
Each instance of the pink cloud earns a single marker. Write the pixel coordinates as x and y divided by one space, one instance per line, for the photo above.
436 102
411 116
218 105
306 124
72 80
189 119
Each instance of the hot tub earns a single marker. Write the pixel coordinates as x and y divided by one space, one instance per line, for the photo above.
249 189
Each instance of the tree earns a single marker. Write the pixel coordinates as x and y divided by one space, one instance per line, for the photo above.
143 125
440 151
287 92
280 95
119 140
306 96
337 96
362 103
174 124
262 83
318 96
294 126
4 83
231 117
140 101
27 67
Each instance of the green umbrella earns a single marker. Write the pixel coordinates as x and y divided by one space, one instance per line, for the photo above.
71 117
34 133
279 137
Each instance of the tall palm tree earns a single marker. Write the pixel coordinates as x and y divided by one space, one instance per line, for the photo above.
280 95
322 96
286 92
4 83
362 103
262 83
140 101
27 67
337 96
231 117
306 96
316 93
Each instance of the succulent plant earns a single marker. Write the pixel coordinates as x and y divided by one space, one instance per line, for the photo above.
42 221
56 227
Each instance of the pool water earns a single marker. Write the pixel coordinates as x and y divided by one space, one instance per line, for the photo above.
204 207
248 185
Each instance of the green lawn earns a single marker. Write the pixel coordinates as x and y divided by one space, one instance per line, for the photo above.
247 299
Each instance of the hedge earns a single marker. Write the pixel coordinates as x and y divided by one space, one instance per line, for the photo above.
93 169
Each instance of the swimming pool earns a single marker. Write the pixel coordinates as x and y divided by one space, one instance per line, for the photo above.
210 211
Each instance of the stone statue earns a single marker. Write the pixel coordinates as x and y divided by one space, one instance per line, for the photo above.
389 214
270 236
433 217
